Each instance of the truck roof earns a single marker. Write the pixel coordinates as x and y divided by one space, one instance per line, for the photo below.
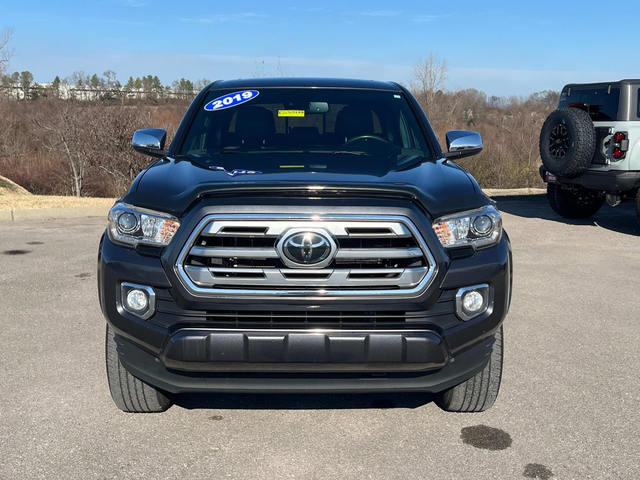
301 82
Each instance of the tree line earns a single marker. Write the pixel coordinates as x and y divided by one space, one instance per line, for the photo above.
81 86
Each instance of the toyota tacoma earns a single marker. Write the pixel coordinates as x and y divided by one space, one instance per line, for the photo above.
304 235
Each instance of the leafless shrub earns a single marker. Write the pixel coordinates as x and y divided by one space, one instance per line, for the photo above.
510 127
6 52
52 146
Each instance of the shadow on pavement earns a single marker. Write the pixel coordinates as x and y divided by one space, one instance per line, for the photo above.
620 219
301 401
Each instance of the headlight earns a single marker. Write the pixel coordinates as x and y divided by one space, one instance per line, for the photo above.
132 226
477 228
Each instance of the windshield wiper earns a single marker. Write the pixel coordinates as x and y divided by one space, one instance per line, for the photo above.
348 152
298 152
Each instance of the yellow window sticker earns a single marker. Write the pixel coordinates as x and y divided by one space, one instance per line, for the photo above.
291 113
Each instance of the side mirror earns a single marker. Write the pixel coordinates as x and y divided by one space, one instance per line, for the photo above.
463 143
150 141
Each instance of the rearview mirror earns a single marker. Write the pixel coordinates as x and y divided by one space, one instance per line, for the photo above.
463 143
150 141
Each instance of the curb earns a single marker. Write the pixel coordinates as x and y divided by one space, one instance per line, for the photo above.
52 213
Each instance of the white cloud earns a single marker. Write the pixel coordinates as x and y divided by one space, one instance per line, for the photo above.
380 13
426 18
134 3
237 17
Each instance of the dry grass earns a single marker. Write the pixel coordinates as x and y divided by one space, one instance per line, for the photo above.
494 192
30 202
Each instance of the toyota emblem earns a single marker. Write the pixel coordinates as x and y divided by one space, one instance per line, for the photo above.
306 248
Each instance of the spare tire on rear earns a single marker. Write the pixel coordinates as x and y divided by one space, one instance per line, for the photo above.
567 142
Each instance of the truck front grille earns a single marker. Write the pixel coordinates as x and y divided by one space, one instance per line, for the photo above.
305 256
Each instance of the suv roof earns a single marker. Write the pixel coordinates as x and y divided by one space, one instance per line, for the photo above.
626 81
305 82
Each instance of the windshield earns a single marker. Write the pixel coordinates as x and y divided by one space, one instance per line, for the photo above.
305 129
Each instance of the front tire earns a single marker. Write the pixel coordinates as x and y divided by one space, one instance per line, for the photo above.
580 203
129 393
479 392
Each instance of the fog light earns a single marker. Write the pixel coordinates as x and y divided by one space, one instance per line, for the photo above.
472 301
138 301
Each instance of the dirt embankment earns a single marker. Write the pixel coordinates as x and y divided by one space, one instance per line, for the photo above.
7 187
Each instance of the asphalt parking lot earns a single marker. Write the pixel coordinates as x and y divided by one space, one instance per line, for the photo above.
568 407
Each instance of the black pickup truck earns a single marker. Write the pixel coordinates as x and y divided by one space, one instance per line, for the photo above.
304 235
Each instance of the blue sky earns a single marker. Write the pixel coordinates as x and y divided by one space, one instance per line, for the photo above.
500 47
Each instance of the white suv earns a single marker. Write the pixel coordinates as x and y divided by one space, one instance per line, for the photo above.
590 148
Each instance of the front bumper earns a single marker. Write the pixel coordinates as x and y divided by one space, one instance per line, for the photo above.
151 369
183 347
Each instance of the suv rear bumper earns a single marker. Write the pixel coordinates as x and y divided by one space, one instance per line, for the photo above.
610 181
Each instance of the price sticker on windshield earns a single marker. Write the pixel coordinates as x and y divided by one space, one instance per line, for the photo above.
231 100
291 113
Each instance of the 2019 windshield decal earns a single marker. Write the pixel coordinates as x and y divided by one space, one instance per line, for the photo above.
231 100
235 171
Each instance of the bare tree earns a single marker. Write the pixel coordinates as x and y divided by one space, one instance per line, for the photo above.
6 52
262 72
200 84
72 135
431 75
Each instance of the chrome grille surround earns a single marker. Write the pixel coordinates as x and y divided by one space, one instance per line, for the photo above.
314 283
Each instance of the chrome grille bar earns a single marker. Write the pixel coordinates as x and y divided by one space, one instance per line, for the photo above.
275 229
379 253
400 278
225 252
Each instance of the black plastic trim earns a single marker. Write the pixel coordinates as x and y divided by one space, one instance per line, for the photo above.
610 181
150 369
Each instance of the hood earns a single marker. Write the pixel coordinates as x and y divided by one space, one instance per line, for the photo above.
172 186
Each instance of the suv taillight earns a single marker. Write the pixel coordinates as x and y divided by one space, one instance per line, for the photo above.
620 145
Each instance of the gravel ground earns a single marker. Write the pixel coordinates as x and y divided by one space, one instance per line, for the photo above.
568 406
